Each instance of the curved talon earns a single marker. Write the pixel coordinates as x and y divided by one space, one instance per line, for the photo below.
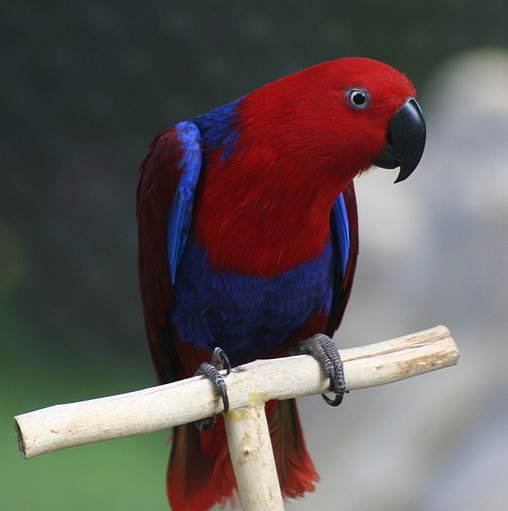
205 425
220 360
211 370
326 353
336 401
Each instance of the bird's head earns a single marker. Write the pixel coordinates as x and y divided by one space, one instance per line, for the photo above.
346 115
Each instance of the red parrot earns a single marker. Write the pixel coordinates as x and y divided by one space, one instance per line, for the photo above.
248 240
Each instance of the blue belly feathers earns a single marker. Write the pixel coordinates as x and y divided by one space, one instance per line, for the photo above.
247 315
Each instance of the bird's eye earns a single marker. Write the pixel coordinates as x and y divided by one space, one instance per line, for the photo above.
358 98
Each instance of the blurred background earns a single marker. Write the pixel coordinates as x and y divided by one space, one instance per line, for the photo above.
85 86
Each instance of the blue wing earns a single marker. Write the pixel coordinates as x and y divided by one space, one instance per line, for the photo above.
340 223
180 214
344 228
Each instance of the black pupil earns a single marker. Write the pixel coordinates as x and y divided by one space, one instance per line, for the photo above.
358 98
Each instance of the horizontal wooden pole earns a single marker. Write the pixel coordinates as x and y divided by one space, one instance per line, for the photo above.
181 402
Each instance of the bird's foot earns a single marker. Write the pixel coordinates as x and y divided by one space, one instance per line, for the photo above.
211 371
322 348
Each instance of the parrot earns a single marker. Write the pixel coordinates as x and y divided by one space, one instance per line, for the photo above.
248 244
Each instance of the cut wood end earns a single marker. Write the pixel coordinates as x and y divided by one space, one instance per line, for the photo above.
21 440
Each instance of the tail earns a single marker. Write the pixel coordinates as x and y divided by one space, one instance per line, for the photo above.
296 470
200 473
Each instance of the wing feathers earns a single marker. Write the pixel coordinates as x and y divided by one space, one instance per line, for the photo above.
344 222
180 217
171 169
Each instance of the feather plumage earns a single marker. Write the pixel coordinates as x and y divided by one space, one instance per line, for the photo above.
248 240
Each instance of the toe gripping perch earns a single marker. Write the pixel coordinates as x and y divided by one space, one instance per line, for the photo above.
211 370
322 348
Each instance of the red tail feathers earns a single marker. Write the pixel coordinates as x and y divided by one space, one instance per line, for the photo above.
296 470
200 473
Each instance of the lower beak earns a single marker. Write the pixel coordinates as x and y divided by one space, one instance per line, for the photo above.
406 140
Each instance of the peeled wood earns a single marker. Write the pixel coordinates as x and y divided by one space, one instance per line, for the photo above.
252 458
181 402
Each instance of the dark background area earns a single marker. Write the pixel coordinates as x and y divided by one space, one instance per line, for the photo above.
84 87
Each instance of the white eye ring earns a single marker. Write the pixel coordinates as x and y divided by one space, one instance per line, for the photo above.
358 98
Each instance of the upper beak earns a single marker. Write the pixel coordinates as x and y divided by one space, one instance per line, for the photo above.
406 140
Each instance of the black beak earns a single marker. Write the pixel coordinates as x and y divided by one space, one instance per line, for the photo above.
406 141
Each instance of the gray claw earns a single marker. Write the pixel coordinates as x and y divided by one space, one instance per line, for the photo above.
322 348
205 425
220 360
211 371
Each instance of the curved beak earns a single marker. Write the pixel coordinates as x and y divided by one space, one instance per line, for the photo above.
406 140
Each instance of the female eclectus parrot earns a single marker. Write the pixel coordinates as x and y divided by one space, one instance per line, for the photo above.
248 240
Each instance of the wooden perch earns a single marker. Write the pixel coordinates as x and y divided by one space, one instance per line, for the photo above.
252 458
251 385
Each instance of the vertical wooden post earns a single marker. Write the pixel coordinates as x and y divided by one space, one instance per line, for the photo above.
251 452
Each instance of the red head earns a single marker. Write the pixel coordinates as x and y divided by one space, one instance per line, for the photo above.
301 140
336 114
